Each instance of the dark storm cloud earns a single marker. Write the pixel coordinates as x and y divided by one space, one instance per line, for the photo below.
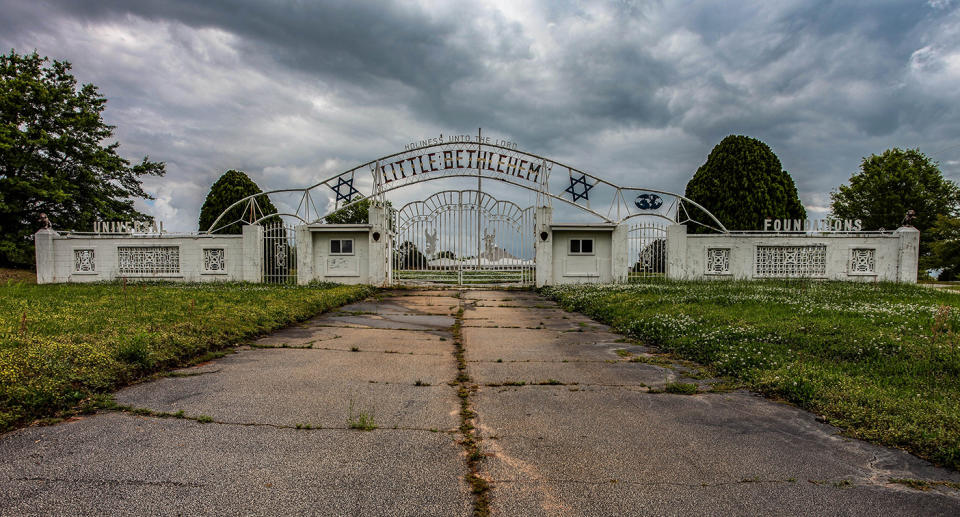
638 91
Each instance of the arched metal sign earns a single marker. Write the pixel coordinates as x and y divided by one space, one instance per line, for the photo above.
461 157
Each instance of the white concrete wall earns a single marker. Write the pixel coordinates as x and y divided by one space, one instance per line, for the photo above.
345 269
579 269
895 254
56 257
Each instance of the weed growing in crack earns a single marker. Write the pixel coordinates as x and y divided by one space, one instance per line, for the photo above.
421 383
680 388
354 349
469 439
360 420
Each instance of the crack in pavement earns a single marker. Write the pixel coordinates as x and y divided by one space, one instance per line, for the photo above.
430 329
331 349
129 482
520 361
148 413
470 439
645 483
180 373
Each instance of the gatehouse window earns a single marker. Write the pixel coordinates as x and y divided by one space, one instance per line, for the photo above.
581 246
341 246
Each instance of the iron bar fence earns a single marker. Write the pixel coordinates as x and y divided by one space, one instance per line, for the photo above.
279 265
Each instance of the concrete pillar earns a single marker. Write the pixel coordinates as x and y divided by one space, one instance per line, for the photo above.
619 247
379 219
543 245
304 239
46 263
253 253
909 256
676 251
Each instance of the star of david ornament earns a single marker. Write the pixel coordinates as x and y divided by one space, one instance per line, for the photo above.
350 190
572 189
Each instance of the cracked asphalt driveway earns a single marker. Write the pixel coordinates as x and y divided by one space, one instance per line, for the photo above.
571 421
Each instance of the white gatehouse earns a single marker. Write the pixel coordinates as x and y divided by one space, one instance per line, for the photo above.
472 236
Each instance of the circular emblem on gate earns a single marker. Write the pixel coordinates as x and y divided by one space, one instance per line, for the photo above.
648 202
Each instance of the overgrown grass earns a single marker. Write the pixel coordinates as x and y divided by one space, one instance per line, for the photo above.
881 361
62 344
8 275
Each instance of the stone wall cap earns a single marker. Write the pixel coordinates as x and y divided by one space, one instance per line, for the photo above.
575 227
320 227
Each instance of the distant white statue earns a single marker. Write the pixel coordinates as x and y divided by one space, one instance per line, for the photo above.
488 244
431 246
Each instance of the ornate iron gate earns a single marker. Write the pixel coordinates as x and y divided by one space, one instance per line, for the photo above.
279 264
463 237
647 248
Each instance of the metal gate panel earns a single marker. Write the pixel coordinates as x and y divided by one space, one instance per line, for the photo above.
647 245
279 264
463 237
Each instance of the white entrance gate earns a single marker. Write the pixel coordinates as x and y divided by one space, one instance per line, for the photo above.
647 250
279 264
463 237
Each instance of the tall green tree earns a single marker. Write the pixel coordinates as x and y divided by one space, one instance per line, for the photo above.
945 247
888 185
742 183
358 213
232 187
53 159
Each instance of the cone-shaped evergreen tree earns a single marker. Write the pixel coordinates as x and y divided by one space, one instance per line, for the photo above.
230 188
742 183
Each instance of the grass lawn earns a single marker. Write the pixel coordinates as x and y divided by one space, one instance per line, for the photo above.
881 361
63 345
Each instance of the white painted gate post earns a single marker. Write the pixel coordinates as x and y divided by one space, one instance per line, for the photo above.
304 240
379 219
252 253
619 247
909 255
46 265
676 251
543 218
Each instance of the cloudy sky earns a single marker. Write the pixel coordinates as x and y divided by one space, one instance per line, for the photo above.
294 91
